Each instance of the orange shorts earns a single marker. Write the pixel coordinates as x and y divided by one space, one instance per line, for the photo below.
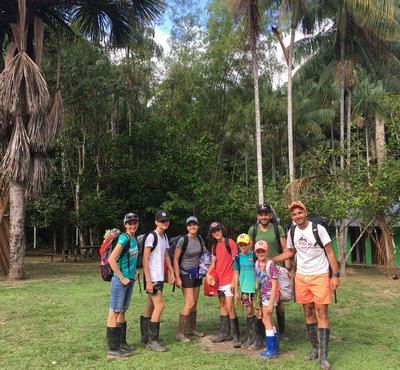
313 288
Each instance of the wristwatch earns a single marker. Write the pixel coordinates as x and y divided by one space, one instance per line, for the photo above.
336 274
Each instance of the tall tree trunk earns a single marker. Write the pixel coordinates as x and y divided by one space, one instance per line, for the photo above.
380 141
349 103
387 240
17 231
341 238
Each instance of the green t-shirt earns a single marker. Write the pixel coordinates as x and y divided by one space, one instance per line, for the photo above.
127 262
269 236
247 279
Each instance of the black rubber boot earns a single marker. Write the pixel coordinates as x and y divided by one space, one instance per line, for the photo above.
259 336
124 345
280 317
236 333
144 329
113 342
192 325
224 334
323 348
313 335
250 331
154 334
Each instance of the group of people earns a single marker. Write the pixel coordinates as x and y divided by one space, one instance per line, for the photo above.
246 271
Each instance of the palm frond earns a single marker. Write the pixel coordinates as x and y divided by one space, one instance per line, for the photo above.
37 174
55 118
37 129
15 163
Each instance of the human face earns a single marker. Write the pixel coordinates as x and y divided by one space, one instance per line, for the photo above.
264 218
261 254
244 248
131 226
162 224
192 228
299 216
217 234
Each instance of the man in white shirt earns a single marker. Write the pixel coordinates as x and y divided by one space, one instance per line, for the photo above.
313 285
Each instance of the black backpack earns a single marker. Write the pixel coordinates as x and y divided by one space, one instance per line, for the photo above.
227 246
275 223
172 246
141 240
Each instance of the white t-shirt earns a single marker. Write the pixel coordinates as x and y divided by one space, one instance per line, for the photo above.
311 258
157 257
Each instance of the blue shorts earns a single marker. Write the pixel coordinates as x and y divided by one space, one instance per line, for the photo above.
120 294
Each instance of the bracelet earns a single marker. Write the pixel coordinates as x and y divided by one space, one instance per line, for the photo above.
336 274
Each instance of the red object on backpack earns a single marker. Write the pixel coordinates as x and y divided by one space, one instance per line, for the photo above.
211 290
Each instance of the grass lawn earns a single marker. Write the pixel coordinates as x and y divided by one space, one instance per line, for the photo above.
56 320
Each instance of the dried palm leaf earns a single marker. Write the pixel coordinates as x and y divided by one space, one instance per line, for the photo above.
15 163
37 127
22 78
37 175
55 118
38 26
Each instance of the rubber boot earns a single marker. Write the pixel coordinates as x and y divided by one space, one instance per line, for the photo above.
250 331
272 347
154 334
313 335
144 329
224 334
113 342
259 335
323 348
191 325
124 345
280 317
236 333
180 335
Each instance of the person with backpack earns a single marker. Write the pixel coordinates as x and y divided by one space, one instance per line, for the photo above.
267 228
266 274
244 276
314 285
154 257
186 267
223 251
122 261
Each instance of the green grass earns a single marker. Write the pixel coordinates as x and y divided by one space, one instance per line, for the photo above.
56 320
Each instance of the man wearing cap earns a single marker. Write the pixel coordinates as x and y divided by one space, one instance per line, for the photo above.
153 269
265 230
122 261
313 285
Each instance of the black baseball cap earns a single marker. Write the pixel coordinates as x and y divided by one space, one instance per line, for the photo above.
162 215
214 226
264 207
131 216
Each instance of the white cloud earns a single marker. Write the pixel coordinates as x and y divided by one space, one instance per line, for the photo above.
161 37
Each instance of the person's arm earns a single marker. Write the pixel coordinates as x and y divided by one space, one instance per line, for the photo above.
288 254
274 291
212 267
235 283
330 254
171 279
146 270
112 261
177 254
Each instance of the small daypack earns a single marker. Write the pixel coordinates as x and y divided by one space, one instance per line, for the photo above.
275 223
173 242
106 248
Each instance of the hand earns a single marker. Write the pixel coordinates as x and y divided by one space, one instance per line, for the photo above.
124 280
178 282
171 279
335 282
149 287
236 296
137 275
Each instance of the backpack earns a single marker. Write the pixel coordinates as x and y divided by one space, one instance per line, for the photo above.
275 223
237 260
106 248
141 240
227 246
173 242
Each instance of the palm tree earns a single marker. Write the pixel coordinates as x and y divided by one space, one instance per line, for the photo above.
28 123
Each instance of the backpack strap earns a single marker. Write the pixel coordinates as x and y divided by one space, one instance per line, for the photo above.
255 232
291 231
277 236
184 247
227 246
155 240
237 260
316 235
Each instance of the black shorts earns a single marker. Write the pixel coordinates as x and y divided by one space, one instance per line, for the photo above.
157 286
190 283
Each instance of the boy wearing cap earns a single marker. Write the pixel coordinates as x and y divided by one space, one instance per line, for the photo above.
313 285
223 251
186 268
153 269
266 274
122 261
244 276
265 230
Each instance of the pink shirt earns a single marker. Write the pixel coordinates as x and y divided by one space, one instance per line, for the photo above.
224 262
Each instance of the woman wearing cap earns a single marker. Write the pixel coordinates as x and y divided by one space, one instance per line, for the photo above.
186 268
223 251
122 260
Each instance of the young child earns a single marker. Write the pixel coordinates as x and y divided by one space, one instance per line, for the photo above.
244 276
223 250
266 274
